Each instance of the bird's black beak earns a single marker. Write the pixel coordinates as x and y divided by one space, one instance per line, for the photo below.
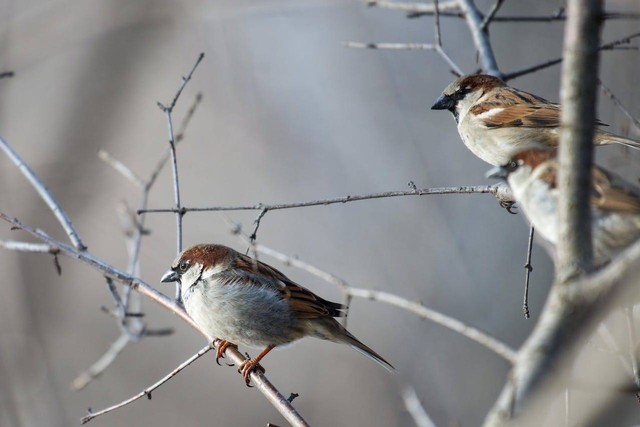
498 172
444 103
170 276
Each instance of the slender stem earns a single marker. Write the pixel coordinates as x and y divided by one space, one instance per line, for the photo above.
44 193
527 274
393 46
501 191
147 391
491 15
101 364
416 409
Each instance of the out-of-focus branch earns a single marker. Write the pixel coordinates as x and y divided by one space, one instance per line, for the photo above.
571 305
414 7
147 391
48 198
532 69
501 191
491 15
480 37
6 74
574 252
259 379
635 122
391 46
571 312
101 364
416 308
415 408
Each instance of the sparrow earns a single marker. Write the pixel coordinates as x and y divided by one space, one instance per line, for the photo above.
495 121
615 203
241 300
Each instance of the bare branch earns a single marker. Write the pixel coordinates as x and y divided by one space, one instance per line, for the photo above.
608 46
48 198
635 122
168 110
415 408
121 168
258 378
501 191
456 325
480 37
392 46
528 269
147 391
491 15
13 245
414 7
418 309
574 251
101 364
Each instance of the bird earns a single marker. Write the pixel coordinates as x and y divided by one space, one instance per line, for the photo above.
243 301
495 121
615 203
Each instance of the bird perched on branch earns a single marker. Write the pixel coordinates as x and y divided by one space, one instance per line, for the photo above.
243 301
615 204
495 121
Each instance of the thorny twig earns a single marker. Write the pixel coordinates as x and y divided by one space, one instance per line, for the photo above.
527 274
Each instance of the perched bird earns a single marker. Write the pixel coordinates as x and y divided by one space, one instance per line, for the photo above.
615 204
243 301
496 121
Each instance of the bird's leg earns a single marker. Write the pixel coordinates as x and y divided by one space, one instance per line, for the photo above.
250 365
224 344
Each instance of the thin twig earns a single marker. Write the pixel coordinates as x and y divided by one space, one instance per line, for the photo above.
48 198
635 122
147 391
491 15
168 110
121 168
258 378
470 332
95 370
438 37
532 69
480 37
527 274
392 46
414 7
456 325
416 409
501 191
13 245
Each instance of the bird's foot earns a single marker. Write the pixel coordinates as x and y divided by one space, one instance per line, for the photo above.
247 367
224 344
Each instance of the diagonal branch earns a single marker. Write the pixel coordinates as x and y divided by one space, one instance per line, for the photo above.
48 198
147 391
259 379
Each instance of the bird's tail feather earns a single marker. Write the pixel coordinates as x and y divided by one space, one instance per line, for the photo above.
329 329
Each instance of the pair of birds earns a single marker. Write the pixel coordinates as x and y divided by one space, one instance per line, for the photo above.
243 301
519 133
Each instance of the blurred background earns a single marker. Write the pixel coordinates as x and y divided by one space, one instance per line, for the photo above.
288 114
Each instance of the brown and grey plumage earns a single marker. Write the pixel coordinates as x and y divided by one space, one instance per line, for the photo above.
496 121
243 301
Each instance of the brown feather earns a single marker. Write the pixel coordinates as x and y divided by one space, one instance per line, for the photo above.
609 196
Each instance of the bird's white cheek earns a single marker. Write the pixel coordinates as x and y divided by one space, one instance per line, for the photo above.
190 277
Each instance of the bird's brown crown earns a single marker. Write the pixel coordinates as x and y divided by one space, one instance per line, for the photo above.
206 254
472 82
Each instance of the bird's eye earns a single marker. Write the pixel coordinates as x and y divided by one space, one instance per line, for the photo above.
183 266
